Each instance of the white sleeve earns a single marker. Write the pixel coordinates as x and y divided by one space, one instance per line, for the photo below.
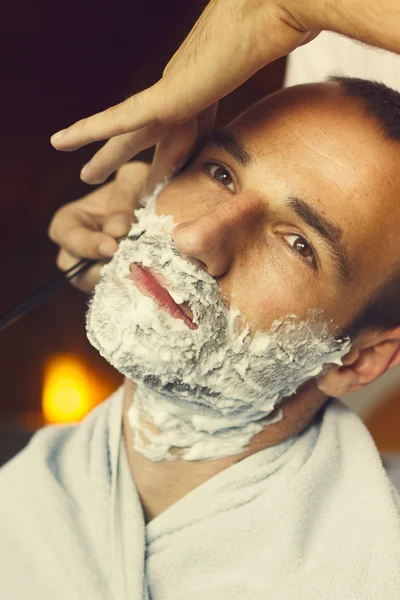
333 54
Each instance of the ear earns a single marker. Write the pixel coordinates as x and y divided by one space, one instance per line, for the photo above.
369 359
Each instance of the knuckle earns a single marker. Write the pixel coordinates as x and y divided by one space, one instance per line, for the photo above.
123 110
132 103
82 125
119 112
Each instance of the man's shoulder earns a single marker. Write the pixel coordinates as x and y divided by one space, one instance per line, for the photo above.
43 445
54 505
21 477
57 455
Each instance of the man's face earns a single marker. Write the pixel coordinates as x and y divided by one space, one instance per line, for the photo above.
283 216
294 209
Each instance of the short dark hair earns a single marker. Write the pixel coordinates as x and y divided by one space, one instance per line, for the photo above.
382 103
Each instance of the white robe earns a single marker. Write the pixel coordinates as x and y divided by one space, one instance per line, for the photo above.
315 517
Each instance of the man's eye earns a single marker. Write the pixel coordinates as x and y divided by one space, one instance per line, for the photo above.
221 174
300 245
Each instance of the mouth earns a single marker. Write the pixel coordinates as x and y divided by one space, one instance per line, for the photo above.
150 285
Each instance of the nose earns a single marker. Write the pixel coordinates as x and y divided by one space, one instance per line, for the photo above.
213 240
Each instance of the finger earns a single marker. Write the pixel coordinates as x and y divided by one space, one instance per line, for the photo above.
83 243
87 280
118 151
84 211
171 152
125 197
134 113
79 235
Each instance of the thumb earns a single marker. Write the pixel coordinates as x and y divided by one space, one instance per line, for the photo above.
125 198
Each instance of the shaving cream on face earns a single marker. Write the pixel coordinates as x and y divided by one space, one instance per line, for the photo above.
206 391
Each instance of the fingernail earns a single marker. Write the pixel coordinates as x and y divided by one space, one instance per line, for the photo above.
56 136
118 225
108 248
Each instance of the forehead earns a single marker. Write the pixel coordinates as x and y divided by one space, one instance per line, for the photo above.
316 142
319 131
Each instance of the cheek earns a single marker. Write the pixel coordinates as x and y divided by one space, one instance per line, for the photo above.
188 197
273 296
168 203
179 199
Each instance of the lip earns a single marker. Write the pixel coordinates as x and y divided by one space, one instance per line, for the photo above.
150 286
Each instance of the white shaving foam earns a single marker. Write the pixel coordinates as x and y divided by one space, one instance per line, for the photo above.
206 392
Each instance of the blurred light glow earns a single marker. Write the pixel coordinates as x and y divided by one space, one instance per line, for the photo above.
67 394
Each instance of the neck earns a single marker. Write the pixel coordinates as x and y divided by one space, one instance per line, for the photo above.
160 484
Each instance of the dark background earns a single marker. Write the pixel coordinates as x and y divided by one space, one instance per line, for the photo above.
61 62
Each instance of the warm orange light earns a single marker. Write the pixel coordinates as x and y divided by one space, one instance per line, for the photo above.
66 391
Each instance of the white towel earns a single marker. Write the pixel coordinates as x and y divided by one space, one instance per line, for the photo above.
315 517
60 502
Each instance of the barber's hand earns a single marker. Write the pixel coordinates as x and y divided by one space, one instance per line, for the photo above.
227 45
88 228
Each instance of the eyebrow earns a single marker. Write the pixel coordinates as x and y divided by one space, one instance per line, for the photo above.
228 142
330 233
